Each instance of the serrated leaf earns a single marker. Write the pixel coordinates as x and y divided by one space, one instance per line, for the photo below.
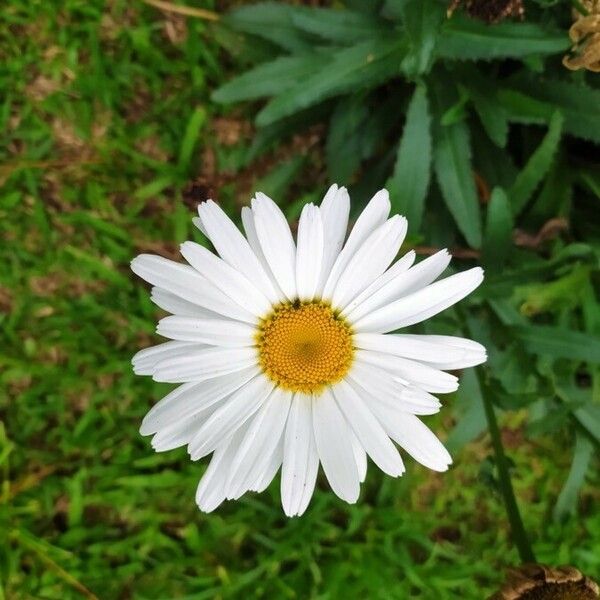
341 26
524 109
271 21
556 342
482 92
268 79
362 66
534 99
498 231
454 173
422 19
566 504
343 150
462 38
537 166
409 182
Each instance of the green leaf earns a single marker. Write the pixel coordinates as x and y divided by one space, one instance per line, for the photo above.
277 181
341 26
154 187
469 39
498 231
454 173
409 182
271 21
344 142
362 66
469 405
535 99
422 20
537 166
190 137
556 342
268 79
521 108
555 195
267 137
490 111
566 504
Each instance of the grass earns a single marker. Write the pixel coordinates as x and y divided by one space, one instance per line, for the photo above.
106 122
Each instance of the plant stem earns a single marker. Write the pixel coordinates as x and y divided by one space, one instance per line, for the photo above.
510 502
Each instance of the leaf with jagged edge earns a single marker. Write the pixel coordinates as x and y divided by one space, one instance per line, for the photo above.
341 26
344 140
422 20
454 171
358 67
409 182
537 166
271 21
531 99
468 39
268 79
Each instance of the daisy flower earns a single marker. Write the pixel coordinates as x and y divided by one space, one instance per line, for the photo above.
284 353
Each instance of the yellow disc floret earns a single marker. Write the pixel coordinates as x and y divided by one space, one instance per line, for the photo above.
305 346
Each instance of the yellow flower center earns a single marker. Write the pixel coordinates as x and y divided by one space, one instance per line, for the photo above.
304 347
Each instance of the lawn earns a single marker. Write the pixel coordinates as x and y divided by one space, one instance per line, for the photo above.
109 140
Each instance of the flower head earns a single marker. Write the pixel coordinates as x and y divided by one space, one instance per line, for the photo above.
284 351
540 582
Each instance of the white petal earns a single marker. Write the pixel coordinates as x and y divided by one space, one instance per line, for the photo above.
370 260
225 278
400 266
412 371
215 332
298 473
368 430
435 350
197 221
235 412
309 255
276 242
179 433
422 304
178 306
259 443
376 385
145 361
334 447
272 466
428 348
360 456
461 352
374 215
211 489
233 247
187 283
403 284
414 437
205 363
335 209
191 398
250 229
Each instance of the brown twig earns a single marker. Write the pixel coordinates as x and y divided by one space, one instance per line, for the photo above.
188 11
465 253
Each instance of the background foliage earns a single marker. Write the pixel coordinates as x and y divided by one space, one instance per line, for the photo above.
112 131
